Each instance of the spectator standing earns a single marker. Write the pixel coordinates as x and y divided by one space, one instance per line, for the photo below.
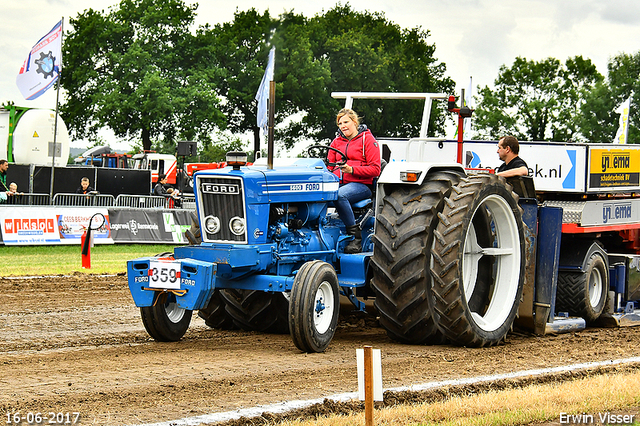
84 187
4 165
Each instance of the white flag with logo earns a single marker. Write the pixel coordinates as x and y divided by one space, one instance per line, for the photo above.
42 67
623 127
263 92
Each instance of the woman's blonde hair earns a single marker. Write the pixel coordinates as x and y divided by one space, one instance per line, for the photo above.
349 113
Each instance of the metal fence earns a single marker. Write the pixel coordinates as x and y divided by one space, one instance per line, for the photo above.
189 202
142 201
22 199
95 200
101 200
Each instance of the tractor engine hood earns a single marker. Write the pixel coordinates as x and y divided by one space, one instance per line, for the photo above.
247 193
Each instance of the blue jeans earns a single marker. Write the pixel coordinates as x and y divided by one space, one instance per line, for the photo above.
348 194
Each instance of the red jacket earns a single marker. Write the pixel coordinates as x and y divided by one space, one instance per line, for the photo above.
363 153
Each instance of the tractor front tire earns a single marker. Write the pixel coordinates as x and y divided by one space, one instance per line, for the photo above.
314 306
166 321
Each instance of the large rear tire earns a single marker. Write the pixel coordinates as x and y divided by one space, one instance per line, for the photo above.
215 314
166 321
584 294
194 233
255 310
314 306
401 258
476 304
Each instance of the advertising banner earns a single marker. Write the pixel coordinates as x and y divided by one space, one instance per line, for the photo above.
614 168
51 225
554 167
149 226
23 225
557 167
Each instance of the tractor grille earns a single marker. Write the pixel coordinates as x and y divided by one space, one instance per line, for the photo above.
221 198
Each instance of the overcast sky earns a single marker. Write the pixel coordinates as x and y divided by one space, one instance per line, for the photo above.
472 37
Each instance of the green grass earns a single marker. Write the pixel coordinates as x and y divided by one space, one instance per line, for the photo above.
54 260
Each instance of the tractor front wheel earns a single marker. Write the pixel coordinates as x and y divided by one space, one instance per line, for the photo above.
314 306
166 321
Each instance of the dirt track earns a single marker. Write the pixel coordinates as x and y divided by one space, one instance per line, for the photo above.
76 344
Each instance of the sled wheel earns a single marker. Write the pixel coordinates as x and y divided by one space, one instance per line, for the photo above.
475 305
256 310
166 321
584 294
401 257
215 315
314 306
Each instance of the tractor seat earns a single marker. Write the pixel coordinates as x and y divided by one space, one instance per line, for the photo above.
362 203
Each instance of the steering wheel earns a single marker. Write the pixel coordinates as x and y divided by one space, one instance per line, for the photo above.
328 148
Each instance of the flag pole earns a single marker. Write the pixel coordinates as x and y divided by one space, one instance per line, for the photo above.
55 123
272 107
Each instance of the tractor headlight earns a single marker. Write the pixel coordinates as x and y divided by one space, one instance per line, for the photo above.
237 225
212 224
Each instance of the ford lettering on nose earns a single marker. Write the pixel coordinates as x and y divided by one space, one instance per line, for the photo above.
220 188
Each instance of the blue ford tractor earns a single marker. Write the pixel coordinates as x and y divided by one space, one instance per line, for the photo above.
446 254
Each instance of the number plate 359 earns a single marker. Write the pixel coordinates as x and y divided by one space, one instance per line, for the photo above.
164 275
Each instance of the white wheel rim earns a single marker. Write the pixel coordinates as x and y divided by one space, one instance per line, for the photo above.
472 256
595 287
323 306
174 312
506 252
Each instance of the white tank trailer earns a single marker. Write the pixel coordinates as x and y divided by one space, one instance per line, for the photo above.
26 136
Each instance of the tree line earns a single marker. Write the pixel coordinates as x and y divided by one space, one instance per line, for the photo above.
141 70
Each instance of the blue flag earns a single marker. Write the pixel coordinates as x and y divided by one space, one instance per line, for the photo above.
263 92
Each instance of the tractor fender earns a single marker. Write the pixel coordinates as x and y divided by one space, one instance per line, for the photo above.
575 254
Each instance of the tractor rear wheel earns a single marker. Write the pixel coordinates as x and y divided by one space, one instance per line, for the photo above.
402 256
314 306
475 302
584 294
166 321
215 314
194 233
255 310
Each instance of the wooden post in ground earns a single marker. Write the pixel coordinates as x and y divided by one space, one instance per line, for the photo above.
368 386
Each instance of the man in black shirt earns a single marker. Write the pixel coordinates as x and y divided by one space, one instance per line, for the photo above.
508 148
